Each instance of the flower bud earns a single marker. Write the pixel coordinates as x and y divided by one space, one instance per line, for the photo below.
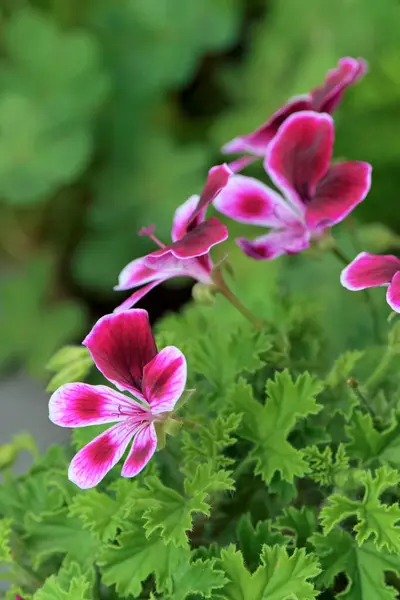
204 293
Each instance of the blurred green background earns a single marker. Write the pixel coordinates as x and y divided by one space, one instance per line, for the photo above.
111 112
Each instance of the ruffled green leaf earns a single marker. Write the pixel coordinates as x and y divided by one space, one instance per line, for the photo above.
375 519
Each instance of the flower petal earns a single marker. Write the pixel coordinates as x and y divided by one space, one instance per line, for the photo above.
393 293
271 245
240 163
344 186
195 243
93 462
80 405
121 345
216 180
182 217
327 97
143 447
136 273
369 270
164 379
138 295
247 200
299 155
257 142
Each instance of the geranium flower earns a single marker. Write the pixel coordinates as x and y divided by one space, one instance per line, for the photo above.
315 195
323 99
192 239
370 270
123 349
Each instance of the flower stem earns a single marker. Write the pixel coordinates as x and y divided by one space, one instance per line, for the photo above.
367 296
353 383
223 289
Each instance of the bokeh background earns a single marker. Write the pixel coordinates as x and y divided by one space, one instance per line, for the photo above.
111 113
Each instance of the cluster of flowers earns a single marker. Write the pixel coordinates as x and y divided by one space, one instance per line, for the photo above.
296 146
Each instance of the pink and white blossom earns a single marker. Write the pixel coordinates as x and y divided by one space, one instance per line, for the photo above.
314 194
371 270
123 348
189 253
322 99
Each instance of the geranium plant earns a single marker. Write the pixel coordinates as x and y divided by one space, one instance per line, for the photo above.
238 458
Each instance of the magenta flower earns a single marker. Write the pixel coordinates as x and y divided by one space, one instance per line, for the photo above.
123 348
192 239
315 195
323 99
370 270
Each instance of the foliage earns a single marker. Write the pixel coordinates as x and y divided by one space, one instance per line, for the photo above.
282 481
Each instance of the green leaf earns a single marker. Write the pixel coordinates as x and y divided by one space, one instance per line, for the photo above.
279 577
206 480
98 512
197 577
222 356
301 522
69 584
367 443
135 556
324 467
365 567
269 426
252 539
207 442
375 519
5 534
170 512
59 533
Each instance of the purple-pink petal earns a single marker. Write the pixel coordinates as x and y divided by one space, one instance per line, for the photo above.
327 97
80 405
369 270
257 142
217 178
196 243
121 345
164 379
300 154
143 447
138 295
240 163
344 186
393 293
136 273
93 462
247 200
275 243
182 217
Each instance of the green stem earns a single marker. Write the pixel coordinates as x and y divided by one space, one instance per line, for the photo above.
242 467
380 370
353 383
367 296
234 300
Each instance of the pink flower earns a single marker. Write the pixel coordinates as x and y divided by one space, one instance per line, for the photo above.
370 270
314 196
322 99
192 239
123 349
